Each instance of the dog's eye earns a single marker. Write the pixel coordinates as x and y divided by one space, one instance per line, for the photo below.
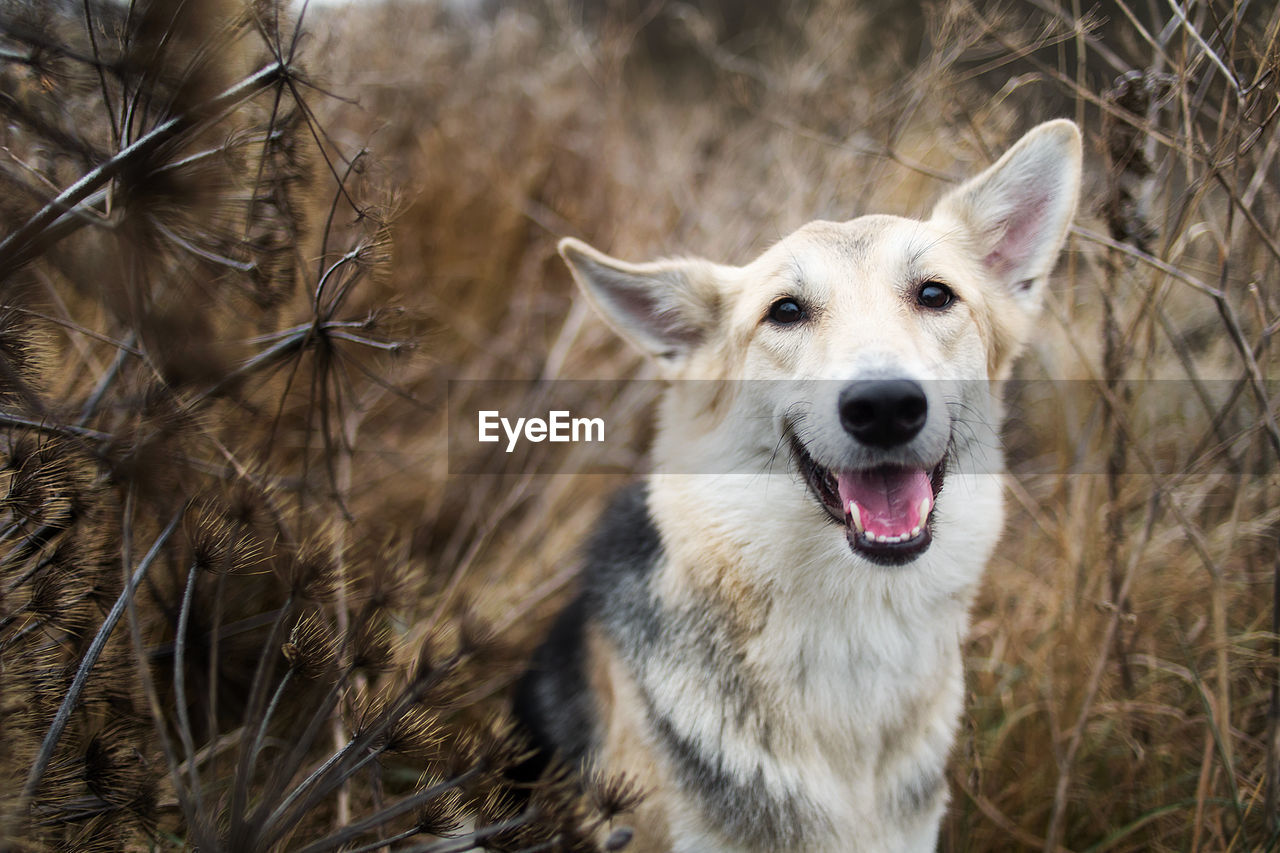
786 311
934 295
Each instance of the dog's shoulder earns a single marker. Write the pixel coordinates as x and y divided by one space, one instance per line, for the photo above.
554 701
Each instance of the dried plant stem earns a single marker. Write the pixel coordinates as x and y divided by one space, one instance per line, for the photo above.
272 825
1222 703
1272 805
72 696
471 840
1193 534
349 832
215 626
1003 821
105 383
1208 51
253 707
32 237
1219 731
316 786
65 430
1146 258
1053 834
285 770
180 683
255 746
385 842
1114 357
1202 791
342 485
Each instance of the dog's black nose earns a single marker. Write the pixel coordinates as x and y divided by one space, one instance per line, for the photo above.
883 412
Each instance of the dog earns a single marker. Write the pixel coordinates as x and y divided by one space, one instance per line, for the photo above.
767 636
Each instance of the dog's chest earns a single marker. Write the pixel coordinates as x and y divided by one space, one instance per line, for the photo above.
871 717
842 743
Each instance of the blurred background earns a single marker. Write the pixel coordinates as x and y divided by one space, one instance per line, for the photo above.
245 247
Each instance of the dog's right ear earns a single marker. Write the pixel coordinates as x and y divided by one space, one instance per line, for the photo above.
666 308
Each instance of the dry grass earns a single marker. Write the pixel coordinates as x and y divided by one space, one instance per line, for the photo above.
1123 660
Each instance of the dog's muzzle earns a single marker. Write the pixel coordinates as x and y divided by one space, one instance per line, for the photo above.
886 508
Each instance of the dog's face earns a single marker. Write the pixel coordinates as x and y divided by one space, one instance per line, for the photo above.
863 347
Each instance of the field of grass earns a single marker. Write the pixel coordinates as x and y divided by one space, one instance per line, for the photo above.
245 606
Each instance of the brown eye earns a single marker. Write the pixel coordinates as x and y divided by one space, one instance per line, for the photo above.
934 295
786 311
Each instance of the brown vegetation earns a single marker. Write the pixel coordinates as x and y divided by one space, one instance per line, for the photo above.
225 357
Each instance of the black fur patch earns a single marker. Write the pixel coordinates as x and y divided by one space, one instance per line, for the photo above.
553 700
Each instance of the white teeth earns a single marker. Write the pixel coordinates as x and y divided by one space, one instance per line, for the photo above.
926 504
891 540
855 513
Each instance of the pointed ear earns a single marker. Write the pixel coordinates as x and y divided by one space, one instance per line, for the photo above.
1016 213
665 308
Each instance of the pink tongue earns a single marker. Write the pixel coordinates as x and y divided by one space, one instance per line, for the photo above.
888 498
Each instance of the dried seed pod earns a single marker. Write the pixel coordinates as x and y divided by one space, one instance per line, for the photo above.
414 732
113 767
370 644
45 482
210 536
312 572
388 585
245 502
59 599
443 815
21 354
311 649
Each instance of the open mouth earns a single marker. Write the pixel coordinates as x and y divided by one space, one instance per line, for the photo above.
886 510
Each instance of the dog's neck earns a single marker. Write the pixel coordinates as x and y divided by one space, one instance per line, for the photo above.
763 560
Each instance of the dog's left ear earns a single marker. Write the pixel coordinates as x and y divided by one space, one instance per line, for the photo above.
1017 212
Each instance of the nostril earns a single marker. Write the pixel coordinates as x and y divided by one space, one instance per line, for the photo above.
859 412
912 408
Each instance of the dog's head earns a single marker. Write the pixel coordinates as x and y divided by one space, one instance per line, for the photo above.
851 343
